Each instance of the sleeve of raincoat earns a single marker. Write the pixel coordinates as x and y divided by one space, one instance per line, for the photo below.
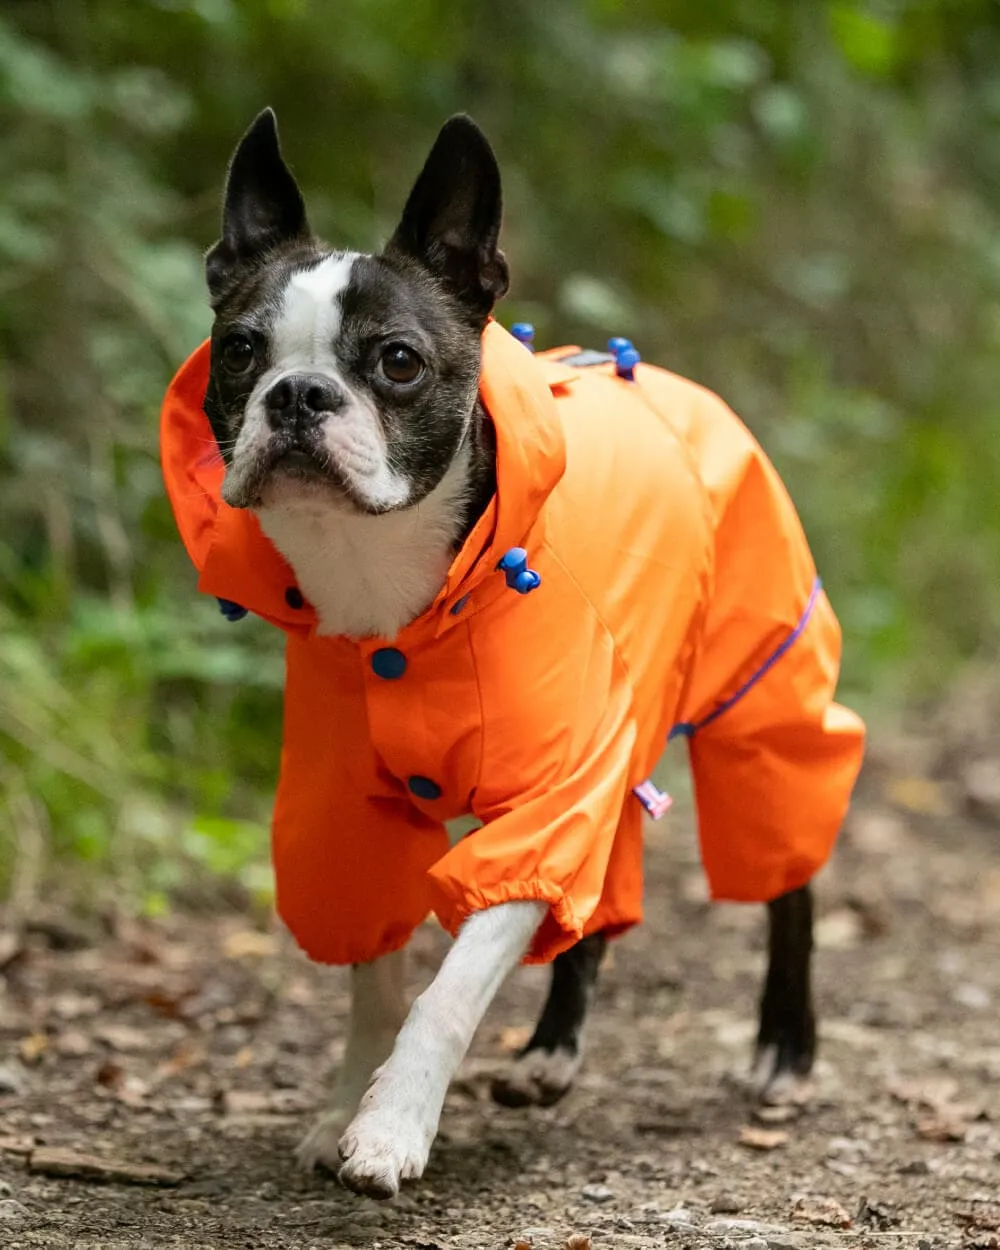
350 853
554 778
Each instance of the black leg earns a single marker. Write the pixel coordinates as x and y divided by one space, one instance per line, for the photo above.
544 1070
786 1041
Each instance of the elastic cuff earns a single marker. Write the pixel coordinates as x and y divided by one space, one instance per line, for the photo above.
558 931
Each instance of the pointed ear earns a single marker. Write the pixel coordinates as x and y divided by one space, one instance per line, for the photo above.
263 205
451 222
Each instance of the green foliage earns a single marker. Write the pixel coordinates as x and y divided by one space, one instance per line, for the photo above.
796 204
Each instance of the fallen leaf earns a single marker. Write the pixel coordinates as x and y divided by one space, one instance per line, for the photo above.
143 950
514 1038
877 832
762 1138
187 1055
839 930
782 1113
984 1216
578 1241
300 994
982 789
824 1211
110 1074
70 1006
11 948
920 795
249 944
32 1048
942 1127
248 1102
67 1163
72 1043
133 1091
124 1038
170 1006
933 1091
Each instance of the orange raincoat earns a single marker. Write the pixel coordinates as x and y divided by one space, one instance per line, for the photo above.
677 597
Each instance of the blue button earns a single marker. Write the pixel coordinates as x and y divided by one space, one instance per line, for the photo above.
294 598
424 788
232 611
388 663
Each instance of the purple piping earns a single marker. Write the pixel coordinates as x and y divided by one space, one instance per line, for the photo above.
687 729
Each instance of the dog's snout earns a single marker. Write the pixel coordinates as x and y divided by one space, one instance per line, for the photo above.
302 396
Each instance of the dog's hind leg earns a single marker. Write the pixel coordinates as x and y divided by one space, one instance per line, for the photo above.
544 1070
378 1009
786 1041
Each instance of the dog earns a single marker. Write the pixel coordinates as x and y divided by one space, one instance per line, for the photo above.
505 579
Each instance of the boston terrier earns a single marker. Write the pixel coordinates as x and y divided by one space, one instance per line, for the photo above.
344 395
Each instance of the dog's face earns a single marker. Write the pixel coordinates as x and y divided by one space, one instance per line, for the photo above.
341 374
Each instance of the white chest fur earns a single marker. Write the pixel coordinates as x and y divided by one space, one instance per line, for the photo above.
368 576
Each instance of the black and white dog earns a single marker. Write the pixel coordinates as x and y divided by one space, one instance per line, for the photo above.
343 337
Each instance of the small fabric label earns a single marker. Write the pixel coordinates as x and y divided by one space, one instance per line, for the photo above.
655 801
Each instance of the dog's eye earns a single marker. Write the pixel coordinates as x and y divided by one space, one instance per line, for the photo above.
237 353
400 364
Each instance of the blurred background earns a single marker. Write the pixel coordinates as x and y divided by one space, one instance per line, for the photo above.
795 204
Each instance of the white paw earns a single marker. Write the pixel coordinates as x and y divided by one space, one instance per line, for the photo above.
320 1146
381 1148
379 1153
537 1078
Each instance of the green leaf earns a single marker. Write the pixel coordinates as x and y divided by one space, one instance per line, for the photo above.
869 43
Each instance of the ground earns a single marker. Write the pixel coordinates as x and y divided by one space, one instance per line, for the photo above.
200 1046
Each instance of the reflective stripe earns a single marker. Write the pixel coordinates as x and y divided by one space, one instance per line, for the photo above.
686 729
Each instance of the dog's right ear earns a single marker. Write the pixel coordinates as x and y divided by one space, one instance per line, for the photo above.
263 206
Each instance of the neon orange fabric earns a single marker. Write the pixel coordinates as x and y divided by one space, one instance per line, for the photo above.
674 574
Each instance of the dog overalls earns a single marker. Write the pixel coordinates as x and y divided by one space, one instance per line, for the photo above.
665 588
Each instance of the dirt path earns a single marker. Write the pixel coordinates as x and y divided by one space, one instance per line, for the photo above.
198 1047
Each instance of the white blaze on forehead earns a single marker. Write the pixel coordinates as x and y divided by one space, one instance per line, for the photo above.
307 326
303 340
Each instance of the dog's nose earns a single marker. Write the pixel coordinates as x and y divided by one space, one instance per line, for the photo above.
302 397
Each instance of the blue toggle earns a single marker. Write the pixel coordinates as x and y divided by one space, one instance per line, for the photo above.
617 345
625 363
232 611
514 566
524 332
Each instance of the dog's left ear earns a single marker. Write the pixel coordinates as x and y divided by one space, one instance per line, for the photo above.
451 222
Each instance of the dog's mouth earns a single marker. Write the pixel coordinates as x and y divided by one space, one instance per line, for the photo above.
283 469
288 471
299 462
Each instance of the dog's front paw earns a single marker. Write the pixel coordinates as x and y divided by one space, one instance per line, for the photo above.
539 1077
380 1149
320 1146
